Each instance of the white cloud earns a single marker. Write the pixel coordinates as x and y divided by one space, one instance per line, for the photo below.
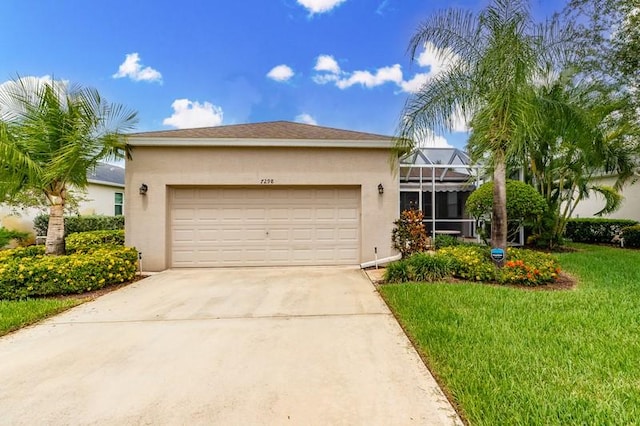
435 60
189 114
459 122
319 6
383 75
280 73
431 140
327 63
413 85
306 118
132 68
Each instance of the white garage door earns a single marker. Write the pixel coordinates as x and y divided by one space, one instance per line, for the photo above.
264 226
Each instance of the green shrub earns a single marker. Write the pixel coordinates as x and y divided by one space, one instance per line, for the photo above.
6 235
525 267
471 262
430 267
596 230
20 252
73 224
525 206
398 272
28 276
84 241
631 235
409 235
443 240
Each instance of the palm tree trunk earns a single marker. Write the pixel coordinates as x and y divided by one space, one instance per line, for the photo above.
55 233
499 216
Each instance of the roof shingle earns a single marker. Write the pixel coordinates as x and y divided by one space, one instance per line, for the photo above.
269 130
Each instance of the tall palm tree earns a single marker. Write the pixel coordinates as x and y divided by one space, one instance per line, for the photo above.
496 57
51 135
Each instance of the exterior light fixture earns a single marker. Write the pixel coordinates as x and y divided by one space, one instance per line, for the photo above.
143 189
380 189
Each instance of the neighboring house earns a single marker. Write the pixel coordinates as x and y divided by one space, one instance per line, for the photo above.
630 208
276 193
438 181
104 196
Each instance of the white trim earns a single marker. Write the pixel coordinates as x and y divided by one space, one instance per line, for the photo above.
231 142
105 183
380 262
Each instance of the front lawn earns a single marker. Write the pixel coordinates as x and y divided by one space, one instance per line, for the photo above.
514 356
19 313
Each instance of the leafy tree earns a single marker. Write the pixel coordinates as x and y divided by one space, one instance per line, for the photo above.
51 134
496 57
524 204
609 39
583 135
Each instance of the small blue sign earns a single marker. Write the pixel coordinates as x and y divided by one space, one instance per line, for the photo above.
497 254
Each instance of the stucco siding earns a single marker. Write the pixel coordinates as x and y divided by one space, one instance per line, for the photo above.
630 208
99 200
164 167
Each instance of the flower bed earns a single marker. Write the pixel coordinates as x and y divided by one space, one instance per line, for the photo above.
473 263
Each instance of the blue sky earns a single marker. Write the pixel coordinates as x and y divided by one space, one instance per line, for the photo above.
336 63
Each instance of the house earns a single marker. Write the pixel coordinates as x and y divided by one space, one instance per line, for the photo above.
438 181
104 196
630 208
262 194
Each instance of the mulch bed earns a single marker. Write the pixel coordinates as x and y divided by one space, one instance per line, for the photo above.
563 282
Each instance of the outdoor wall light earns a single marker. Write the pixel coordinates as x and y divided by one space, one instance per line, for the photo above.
380 189
143 189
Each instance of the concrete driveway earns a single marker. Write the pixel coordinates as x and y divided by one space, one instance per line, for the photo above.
270 346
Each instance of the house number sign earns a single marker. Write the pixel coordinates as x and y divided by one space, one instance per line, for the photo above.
267 181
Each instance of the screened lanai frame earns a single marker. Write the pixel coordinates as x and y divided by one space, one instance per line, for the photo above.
434 170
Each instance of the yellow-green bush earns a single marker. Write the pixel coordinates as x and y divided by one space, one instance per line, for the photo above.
84 241
26 274
524 267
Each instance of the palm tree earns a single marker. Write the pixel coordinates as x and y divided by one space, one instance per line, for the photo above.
51 135
496 57
584 134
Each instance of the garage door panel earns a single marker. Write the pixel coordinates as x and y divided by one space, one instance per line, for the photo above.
264 226
302 215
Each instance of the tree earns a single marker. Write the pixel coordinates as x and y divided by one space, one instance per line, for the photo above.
525 206
609 39
496 57
51 135
583 134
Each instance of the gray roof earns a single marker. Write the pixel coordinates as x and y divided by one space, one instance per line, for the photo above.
286 130
107 173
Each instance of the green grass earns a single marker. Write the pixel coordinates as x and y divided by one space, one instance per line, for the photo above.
508 356
17 314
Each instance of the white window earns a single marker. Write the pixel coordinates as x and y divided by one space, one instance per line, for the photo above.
119 201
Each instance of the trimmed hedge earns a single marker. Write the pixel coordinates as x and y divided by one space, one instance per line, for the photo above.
73 224
631 235
94 260
23 276
596 230
84 241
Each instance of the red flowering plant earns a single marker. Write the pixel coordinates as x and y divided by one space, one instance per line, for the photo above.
529 268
